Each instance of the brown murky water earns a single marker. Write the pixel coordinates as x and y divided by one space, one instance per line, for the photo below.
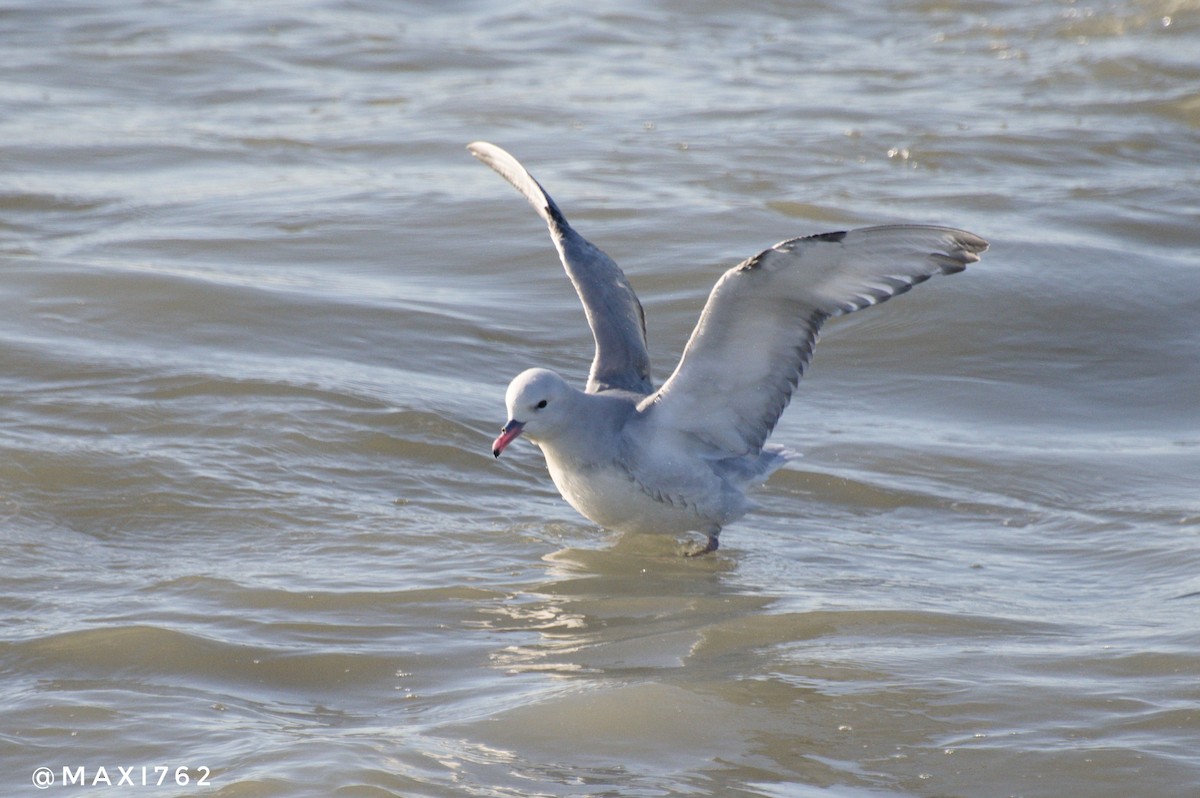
258 308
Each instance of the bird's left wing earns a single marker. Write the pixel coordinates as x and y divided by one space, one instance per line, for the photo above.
613 310
756 335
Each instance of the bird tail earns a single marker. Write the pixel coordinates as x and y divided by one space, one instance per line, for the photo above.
750 470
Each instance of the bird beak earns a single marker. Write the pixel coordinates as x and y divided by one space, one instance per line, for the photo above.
507 435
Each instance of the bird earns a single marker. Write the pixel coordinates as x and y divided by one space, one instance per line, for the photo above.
680 458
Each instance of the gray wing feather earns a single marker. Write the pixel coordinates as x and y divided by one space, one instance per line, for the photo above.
756 335
613 311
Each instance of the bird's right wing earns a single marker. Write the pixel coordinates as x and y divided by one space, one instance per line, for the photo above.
756 335
613 310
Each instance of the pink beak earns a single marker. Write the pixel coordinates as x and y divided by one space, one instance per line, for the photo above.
507 435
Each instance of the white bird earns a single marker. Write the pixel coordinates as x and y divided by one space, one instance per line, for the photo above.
679 459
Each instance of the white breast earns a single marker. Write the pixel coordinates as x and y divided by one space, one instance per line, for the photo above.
607 495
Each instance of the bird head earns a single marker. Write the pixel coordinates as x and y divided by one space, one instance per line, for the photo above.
537 407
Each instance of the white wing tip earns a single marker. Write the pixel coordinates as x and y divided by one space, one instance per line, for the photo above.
488 153
504 164
962 248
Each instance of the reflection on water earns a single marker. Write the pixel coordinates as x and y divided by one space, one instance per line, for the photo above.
663 664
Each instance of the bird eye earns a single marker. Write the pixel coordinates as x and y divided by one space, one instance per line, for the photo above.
541 404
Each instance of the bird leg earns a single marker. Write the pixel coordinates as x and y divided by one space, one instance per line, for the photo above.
709 546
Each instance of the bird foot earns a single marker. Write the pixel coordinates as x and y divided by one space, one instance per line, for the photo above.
707 547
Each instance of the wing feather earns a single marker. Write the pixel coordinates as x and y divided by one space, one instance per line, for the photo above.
756 335
613 311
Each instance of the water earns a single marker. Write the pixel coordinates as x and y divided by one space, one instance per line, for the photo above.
258 308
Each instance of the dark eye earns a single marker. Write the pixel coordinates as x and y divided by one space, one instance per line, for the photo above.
541 404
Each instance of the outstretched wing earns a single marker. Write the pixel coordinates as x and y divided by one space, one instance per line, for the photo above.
756 335
612 308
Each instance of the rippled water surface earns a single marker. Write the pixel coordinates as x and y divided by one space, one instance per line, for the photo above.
258 307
